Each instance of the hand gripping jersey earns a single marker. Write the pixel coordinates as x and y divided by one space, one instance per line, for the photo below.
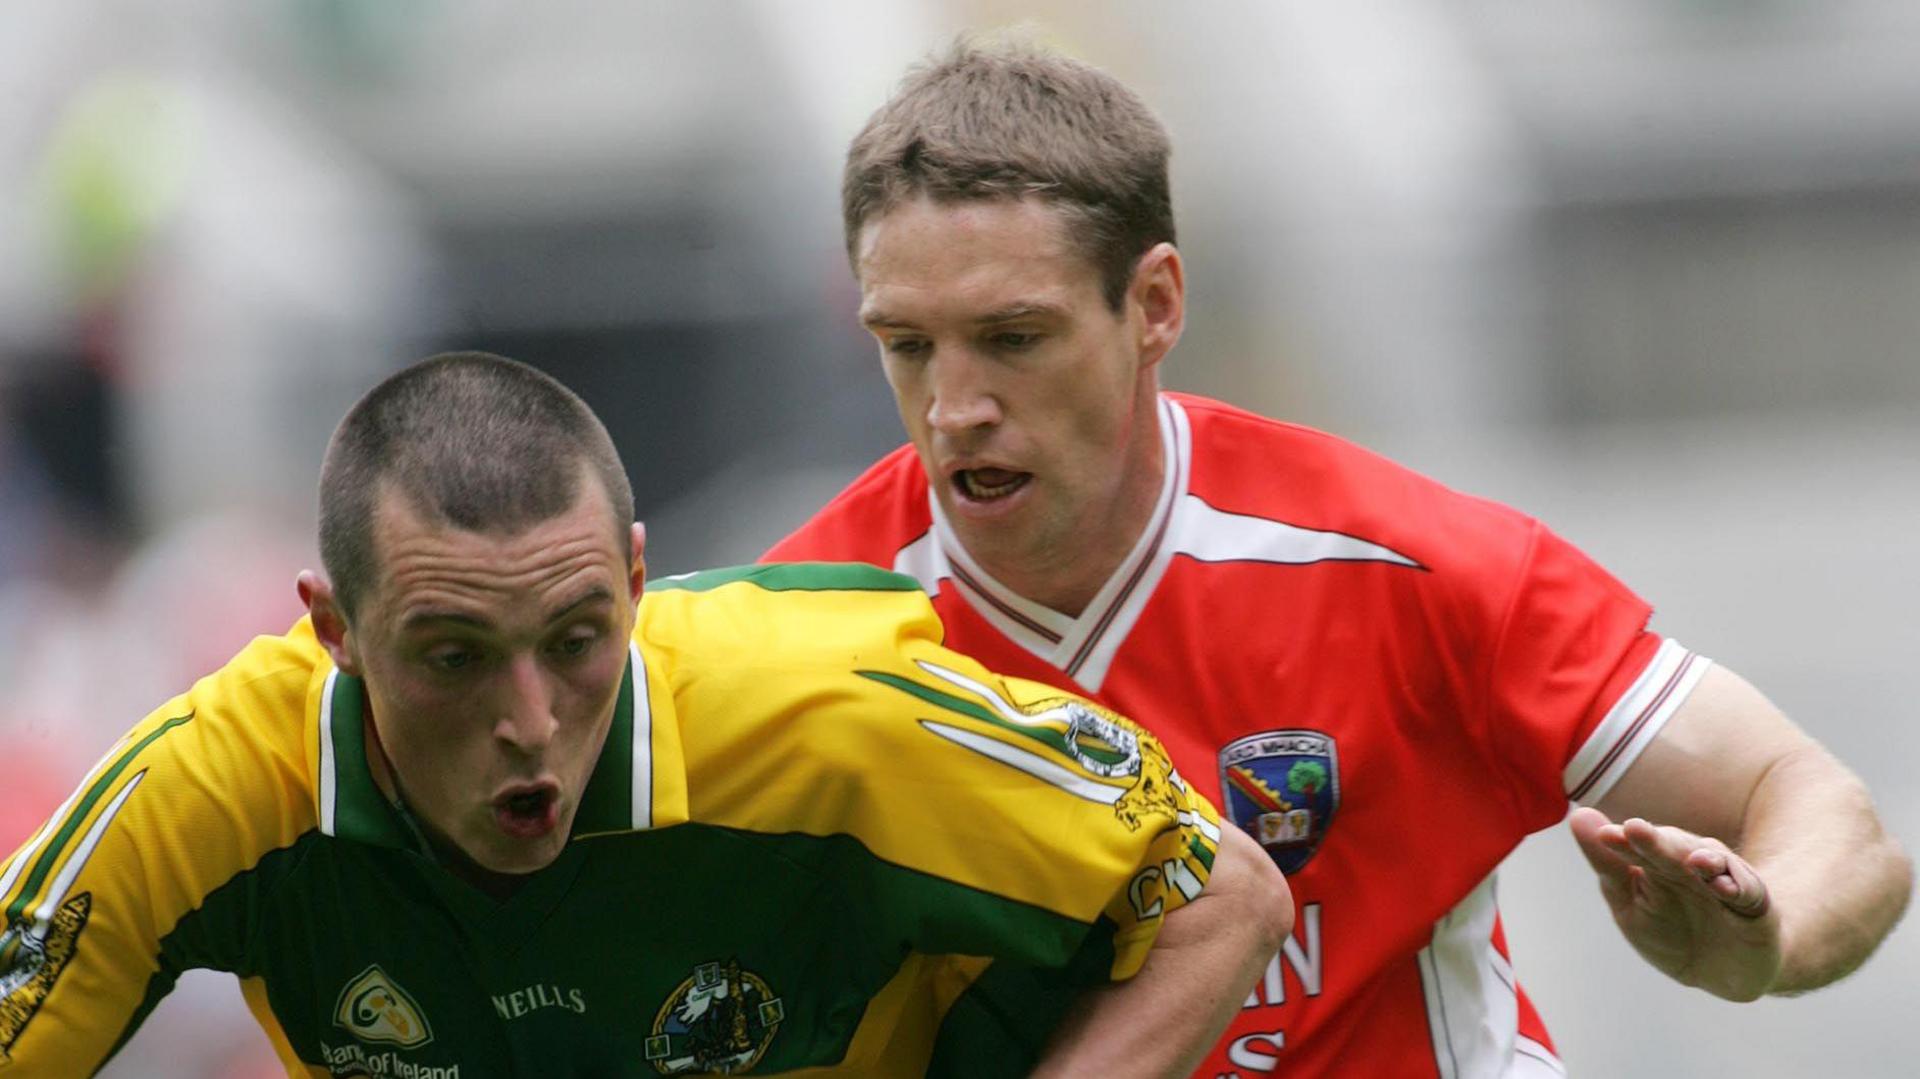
803 798
1387 683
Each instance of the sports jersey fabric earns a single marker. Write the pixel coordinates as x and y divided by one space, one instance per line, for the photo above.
803 797
1386 682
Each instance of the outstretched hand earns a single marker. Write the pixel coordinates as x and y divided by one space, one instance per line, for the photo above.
1687 903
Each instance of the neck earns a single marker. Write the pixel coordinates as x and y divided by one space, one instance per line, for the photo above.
1066 574
496 886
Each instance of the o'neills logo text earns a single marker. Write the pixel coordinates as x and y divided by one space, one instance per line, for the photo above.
351 1061
535 997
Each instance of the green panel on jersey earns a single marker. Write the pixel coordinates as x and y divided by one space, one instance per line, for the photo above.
935 915
793 577
361 811
607 803
803 930
1003 1020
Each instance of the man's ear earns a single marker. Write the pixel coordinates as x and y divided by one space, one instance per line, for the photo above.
1159 289
329 620
637 581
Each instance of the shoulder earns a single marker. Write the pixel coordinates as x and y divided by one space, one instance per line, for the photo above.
871 519
835 712
251 718
786 614
765 669
1245 463
230 760
192 796
238 737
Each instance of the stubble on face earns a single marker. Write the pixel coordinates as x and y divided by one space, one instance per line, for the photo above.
1011 371
492 663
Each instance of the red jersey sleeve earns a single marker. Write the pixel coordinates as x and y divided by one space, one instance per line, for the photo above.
808 543
1570 645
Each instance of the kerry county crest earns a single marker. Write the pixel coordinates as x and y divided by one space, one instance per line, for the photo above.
721 1021
1282 788
32 955
1080 748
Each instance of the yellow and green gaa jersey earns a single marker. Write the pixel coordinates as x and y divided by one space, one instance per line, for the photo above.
815 838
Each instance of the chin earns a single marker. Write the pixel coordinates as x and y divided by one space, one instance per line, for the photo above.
513 856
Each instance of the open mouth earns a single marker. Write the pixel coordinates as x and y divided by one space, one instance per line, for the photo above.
988 484
528 812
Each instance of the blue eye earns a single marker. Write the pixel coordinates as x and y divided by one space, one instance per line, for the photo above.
908 346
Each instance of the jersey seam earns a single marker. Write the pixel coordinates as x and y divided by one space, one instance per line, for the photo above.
881 476
1483 729
747 834
249 949
1225 411
1446 1026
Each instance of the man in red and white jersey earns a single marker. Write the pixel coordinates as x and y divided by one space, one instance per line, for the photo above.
1385 682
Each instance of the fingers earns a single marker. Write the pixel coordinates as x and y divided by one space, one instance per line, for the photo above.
1618 878
1709 862
1634 857
1742 890
1588 827
1700 864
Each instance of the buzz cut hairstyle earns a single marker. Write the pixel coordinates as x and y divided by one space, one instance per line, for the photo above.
469 439
1007 119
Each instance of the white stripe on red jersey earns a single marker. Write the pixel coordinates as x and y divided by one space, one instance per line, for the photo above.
1388 682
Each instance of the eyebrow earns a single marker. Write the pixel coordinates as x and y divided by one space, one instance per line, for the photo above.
429 616
1017 311
1010 313
877 320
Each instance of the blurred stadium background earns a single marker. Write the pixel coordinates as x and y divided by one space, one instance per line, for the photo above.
1648 270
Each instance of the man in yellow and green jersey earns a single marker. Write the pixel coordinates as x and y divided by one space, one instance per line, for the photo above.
488 811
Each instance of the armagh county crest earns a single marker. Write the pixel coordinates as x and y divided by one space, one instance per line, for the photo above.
1282 788
721 1020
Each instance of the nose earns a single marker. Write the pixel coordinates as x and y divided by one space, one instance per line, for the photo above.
526 721
960 401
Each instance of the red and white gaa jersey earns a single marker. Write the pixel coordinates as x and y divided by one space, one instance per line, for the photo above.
1386 682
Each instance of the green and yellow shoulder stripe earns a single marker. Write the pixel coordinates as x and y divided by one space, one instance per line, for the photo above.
817 700
192 796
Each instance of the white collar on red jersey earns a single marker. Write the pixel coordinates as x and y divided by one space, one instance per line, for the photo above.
1182 523
1082 647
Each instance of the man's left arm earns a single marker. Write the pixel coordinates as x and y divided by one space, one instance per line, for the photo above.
1741 857
1208 954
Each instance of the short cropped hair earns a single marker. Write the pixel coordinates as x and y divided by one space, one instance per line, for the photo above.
1012 121
470 439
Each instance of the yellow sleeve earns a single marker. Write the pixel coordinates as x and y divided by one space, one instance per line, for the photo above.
1095 794
182 803
839 713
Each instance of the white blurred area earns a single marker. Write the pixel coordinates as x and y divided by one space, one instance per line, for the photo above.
1650 271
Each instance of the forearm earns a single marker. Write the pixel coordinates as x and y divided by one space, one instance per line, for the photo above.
1839 887
1162 1021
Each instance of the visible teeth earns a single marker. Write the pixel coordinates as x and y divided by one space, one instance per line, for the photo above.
976 489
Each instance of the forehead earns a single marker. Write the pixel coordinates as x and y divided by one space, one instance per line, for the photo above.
924 256
425 561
